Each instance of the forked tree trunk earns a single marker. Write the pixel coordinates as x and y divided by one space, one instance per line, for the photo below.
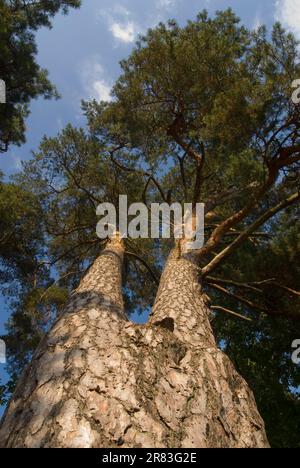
98 380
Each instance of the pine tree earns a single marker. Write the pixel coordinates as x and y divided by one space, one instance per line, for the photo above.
200 113
23 77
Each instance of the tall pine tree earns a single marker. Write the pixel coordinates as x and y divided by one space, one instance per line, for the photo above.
200 113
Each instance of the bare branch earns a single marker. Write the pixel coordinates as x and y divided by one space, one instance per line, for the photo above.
187 147
198 158
278 285
287 156
236 284
146 265
92 199
231 312
230 194
183 178
142 173
199 176
248 232
237 297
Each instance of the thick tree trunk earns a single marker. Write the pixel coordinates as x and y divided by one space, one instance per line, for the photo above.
97 380
205 397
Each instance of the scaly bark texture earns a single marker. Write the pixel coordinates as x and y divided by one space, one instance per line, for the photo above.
98 380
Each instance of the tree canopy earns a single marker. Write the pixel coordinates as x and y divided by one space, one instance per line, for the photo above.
24 78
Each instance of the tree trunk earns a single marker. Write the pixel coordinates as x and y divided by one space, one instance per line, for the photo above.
98 380
204 396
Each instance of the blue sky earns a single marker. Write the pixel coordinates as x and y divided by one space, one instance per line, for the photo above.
83 50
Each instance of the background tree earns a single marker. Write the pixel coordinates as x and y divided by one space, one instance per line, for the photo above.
24 79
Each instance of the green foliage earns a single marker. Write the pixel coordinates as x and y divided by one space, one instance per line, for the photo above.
212 80
24 78
262 354
20 233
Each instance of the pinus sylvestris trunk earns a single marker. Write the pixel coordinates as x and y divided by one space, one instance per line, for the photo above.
97 380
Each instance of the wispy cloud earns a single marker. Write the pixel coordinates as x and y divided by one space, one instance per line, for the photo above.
288 13
258 21
125 32
94 82
101 90
120 23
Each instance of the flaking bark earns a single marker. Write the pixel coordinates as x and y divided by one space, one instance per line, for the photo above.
98 380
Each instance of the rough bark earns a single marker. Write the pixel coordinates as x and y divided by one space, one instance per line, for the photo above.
98 380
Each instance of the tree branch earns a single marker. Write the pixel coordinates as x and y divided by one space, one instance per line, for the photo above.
278 285
247 233
236 284
182 172
286 157
231 312
199 178
237 297
142 173
146 265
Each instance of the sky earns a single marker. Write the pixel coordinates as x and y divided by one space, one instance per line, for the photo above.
83 50
82 53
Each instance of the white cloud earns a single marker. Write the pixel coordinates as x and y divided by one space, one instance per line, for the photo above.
101 90
125 32
288 13
120 23
95 84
